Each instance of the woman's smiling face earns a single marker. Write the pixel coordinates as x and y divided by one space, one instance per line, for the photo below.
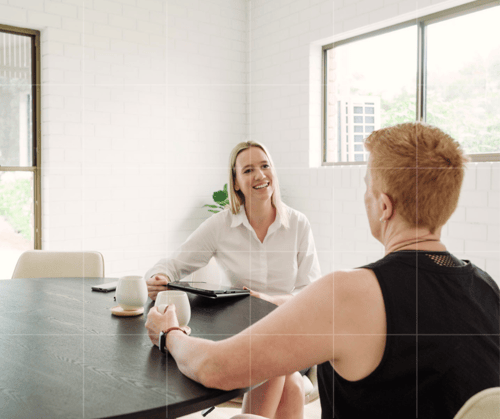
254 175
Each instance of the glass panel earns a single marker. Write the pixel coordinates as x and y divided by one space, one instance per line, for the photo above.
358 74
463 79
358 119
359 147
15 100
369 119
16 218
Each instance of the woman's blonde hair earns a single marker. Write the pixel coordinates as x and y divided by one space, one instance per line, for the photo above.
236 198
420 168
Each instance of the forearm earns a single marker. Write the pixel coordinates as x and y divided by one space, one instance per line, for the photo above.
223 365
279 344
195 357
159 268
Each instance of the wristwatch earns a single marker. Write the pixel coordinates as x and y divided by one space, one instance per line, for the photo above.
163 337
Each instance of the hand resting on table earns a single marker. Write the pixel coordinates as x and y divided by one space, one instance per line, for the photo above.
156 284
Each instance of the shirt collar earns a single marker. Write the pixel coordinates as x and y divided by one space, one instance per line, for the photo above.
241 218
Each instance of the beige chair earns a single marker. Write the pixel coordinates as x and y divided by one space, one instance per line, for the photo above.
483 405
48 264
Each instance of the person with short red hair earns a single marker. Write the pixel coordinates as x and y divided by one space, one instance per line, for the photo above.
414 334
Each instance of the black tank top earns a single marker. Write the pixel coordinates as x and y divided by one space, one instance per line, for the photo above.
442 347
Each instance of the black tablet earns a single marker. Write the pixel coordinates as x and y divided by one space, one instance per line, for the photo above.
208 290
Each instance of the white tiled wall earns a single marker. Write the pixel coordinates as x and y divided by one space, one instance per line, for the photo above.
206 107
281 88
143 99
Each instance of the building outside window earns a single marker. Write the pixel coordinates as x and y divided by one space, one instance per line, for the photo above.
443 69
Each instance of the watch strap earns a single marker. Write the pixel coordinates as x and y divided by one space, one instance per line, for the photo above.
163 337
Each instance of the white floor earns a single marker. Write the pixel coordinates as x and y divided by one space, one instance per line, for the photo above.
311 411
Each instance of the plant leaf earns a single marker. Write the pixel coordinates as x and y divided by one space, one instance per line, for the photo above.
210 206
220 196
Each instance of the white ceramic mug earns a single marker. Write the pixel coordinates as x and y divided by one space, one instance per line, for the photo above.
131 292
181 301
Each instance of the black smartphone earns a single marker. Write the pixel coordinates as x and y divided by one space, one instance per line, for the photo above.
107 287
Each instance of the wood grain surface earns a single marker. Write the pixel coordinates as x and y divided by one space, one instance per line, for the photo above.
64 355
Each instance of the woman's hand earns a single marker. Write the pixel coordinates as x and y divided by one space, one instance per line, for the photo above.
156 284
261 295
158 322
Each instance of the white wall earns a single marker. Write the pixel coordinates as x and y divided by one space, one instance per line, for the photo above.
284 114
206 107
141 100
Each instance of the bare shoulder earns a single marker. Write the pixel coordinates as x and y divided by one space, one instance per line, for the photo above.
358 300
349 284
355 282
359 324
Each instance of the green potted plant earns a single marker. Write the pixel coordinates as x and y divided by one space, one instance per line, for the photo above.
221 200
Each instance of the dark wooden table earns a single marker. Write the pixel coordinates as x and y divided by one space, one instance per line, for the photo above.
63 355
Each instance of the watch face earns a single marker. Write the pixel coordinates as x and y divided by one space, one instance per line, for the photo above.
163 342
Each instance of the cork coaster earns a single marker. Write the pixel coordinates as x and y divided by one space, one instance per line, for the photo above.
119 311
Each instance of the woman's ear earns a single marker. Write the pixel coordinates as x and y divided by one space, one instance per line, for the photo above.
387 207
236 186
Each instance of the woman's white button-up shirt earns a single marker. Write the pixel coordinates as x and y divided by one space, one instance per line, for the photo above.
284 263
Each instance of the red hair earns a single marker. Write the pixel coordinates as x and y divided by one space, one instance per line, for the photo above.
420 168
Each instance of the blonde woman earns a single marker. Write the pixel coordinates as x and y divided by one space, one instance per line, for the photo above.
414 334
260 244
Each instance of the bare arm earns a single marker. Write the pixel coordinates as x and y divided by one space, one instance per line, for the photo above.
294 336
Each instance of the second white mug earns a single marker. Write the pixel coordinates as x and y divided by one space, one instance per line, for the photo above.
131 292
181 301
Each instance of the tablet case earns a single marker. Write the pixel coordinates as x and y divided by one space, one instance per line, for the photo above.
208 290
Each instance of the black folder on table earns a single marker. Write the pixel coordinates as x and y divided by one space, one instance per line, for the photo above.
208 290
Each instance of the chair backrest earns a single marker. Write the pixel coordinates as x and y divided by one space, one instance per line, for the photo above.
483 405
48 264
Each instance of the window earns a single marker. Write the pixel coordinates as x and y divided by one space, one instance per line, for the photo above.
443 69
20 213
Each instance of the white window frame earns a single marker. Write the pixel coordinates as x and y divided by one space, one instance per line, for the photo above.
421 22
